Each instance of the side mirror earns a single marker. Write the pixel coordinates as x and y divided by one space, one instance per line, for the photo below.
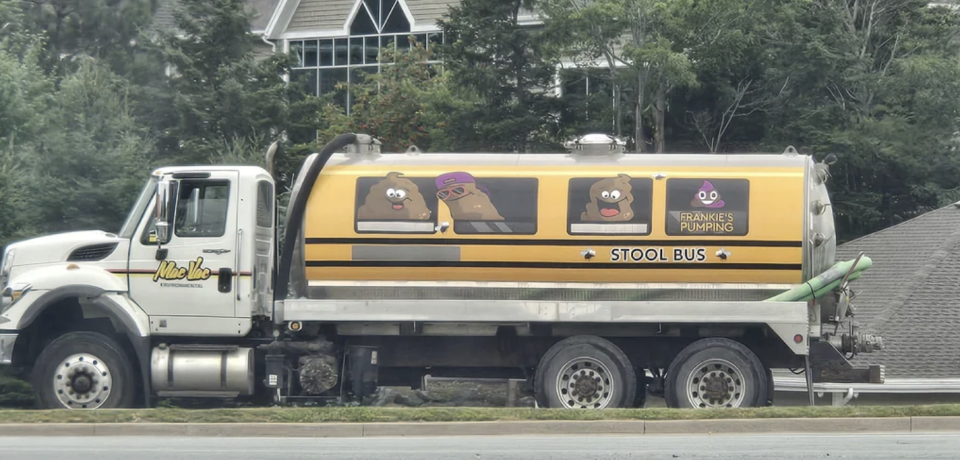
830 159
162 210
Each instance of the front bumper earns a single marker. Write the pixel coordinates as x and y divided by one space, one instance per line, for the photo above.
7 339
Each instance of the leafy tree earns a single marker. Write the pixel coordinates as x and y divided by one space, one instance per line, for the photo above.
592 33
511 68
731 61
89 162
25 95
409 103
107 29
652 40
874 83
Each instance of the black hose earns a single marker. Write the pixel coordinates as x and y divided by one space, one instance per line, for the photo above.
296 209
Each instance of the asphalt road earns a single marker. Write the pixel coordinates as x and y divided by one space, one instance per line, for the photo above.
866 446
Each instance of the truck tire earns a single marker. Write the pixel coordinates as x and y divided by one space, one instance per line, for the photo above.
585 372
716 372
84 370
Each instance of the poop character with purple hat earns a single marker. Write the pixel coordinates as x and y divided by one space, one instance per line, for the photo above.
466 199
707 197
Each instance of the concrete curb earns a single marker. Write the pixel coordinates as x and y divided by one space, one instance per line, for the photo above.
619 427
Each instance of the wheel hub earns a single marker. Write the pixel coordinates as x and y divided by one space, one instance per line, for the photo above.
715 386
715 383
82 381
585 383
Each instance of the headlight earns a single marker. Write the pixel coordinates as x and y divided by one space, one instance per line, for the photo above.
12 293
16 290
5 266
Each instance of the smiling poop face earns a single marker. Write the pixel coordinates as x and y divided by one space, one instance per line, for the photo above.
394 198
707 197
610 200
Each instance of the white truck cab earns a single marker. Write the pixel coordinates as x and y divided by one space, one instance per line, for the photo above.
208 274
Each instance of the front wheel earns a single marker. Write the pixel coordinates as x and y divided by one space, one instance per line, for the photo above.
84 370
716 372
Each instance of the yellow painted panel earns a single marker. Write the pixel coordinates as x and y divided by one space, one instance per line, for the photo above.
552 275
604 254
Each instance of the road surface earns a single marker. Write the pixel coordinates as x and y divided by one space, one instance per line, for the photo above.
732 447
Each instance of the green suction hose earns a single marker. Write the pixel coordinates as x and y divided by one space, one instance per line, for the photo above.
825 282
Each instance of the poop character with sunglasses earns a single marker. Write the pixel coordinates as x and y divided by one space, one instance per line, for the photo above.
466 199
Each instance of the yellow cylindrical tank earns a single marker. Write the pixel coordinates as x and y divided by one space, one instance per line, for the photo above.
618 218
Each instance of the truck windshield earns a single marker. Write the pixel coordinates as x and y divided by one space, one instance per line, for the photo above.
143 200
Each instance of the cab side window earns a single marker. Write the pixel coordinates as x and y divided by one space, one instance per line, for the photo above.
201 209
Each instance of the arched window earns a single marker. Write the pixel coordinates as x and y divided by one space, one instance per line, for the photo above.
377 24
375 17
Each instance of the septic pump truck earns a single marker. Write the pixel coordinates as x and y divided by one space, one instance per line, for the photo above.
591 273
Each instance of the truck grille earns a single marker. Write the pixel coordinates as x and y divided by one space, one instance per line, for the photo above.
92 253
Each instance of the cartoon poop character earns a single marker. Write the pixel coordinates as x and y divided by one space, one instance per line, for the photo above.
394 198
610 200
707 197
466 199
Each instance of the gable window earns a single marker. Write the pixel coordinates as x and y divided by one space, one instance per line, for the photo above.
324 63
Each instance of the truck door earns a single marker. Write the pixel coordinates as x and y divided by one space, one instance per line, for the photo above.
192 275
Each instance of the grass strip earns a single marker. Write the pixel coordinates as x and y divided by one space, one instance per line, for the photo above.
465 414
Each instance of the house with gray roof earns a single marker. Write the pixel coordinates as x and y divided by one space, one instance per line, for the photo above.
337 41
260 10
911 295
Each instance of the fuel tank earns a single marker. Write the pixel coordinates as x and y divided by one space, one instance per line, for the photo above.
202 370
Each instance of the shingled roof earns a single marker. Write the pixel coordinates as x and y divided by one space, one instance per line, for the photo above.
911 295
261 11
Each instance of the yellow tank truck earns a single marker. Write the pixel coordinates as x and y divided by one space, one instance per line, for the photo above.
597 276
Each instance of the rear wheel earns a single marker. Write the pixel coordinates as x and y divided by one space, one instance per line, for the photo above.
84 370
585 372
716 372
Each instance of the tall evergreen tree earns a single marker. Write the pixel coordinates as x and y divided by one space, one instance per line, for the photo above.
26 94
511 67
218 95
408 103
